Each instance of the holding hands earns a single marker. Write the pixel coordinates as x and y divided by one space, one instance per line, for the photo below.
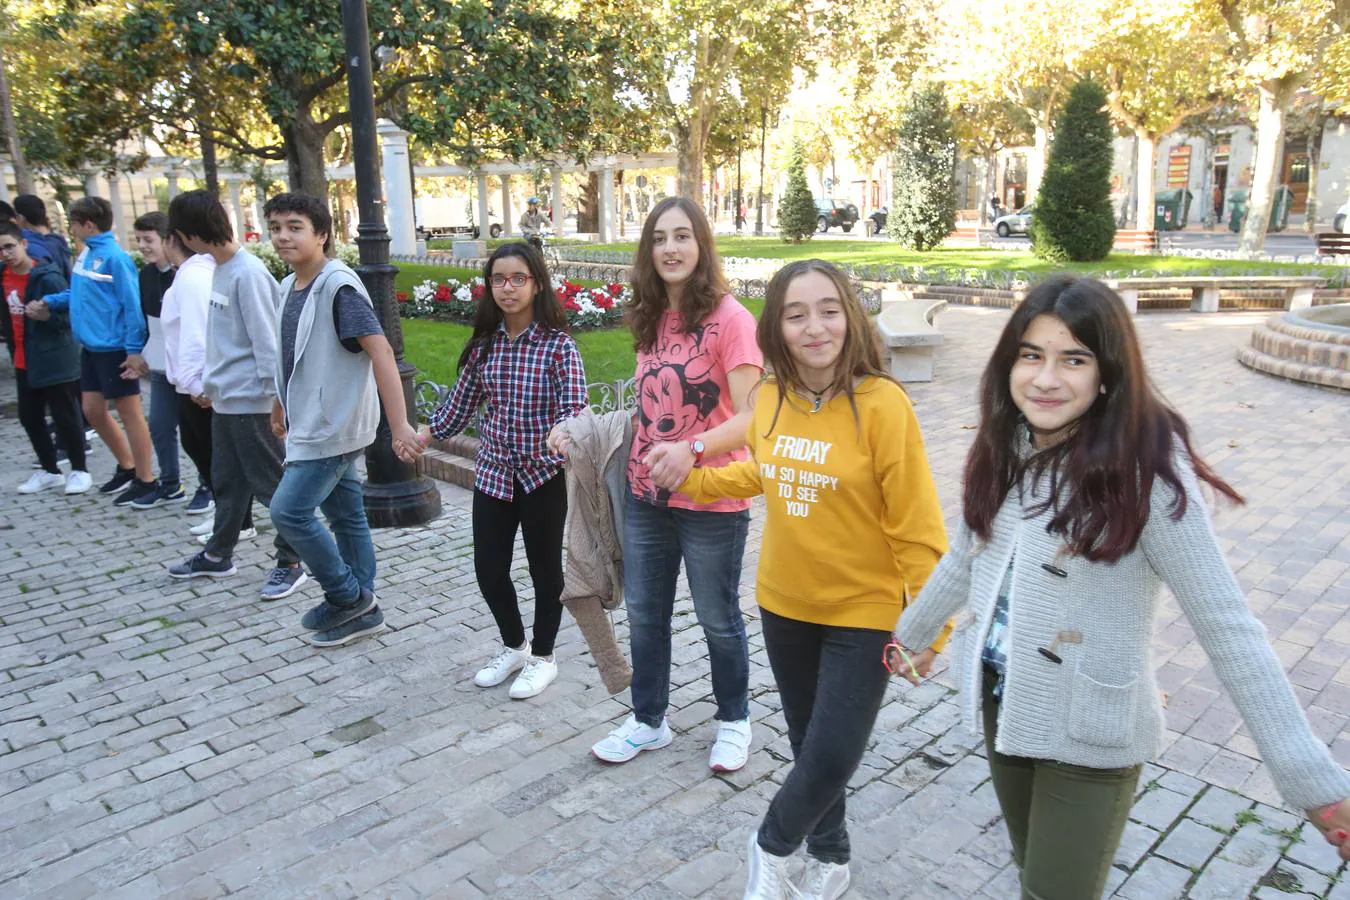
409 442
670 464
1334 823
38 311
559 440
134 366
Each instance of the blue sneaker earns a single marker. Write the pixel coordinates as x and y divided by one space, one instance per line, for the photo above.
162 495
199 566
203 502
327 616
283 581
370 623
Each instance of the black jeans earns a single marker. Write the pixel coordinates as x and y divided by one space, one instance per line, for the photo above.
541 515
831 681
63 400
194 431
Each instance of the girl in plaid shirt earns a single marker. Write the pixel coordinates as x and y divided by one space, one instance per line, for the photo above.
523 368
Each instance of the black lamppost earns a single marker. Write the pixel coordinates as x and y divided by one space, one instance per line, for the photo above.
395 494
759 199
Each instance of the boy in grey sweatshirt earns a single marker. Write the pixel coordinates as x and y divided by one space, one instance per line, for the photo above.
240 385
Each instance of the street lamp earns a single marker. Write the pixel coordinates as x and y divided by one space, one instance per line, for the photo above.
395 494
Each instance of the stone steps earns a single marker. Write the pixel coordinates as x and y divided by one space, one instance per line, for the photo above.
1284 347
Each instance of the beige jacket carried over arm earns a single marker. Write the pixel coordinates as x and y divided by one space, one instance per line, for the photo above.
593 580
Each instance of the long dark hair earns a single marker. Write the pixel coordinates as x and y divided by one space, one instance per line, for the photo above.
706 288
1102 474
548 312
860 356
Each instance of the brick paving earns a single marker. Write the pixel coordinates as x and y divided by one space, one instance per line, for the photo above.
170 739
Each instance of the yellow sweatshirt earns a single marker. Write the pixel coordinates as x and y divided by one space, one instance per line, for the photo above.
853 525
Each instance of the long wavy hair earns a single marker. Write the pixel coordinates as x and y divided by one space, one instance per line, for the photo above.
860 356
1102 474
706 288
488 316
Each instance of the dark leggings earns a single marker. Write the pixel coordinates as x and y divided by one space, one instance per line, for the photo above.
1065 822
63 400
540 515
194 431
831 681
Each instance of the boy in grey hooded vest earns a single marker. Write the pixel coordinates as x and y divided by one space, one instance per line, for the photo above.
334 367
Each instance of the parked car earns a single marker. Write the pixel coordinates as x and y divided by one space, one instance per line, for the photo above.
879 219
1340 223
1014 223
830 213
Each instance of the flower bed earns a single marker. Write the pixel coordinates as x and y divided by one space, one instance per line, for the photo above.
452 300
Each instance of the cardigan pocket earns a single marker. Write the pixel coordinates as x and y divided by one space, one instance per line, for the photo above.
1101 714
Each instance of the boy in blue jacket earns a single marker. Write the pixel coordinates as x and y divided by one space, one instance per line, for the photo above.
104 304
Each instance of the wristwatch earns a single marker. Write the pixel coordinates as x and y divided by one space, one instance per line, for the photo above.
698 447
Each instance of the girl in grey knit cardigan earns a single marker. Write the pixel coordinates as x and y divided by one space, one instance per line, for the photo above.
1082 500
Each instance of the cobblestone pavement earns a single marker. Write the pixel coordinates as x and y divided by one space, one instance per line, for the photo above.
160 738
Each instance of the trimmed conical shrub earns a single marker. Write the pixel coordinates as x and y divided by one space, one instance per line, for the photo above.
797 215
1073 218
923 202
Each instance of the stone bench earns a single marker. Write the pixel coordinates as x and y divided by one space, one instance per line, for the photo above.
1298 289
1333 243
468 249
907 332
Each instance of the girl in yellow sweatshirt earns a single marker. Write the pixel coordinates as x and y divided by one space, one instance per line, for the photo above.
853 527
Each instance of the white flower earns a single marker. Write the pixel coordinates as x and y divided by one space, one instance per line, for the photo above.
463 294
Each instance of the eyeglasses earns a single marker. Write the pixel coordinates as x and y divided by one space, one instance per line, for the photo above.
516 281
7 249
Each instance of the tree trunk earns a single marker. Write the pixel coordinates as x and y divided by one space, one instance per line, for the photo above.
210 168
588 205
1314 162
990 187
1275 98
1207 183
689 162
23 176
305 173
1036 160
1146 162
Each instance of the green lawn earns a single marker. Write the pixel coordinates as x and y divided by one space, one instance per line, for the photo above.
884 253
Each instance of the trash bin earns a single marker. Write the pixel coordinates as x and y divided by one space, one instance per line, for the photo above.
1171 209
1237 210
1279 208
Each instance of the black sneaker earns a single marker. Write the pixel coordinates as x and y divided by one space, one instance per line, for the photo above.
139 490
162 495
361 626
121 478
199 566
327 616
203 502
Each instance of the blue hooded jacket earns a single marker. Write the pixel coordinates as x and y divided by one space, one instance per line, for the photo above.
104 298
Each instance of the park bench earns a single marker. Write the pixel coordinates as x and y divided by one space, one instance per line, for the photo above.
908 333
1333 243
1298 289
1135 240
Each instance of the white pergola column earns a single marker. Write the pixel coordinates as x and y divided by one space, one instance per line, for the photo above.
171 176
557 198
91 188
4 184
483 224
508 219
119 220
236 210
258 216
606 217
398 195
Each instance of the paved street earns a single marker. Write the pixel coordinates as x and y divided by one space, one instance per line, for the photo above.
170 739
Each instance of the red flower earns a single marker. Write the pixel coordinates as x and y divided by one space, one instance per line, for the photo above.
476 292
602 300
443 294
615 290
401 296
571 305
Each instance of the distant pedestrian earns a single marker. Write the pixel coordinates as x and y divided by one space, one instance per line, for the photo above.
522 366
240 384
1082 501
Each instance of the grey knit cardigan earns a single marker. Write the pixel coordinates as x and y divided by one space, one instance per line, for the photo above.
1100 707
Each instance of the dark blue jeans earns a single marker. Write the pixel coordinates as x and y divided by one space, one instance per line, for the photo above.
164 427
711 545
342 561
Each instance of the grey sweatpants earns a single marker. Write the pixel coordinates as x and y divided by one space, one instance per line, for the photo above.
246 462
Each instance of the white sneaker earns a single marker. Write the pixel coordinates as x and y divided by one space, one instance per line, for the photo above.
538 674
732 747
630 739
41 481
823 880
203 527
500 667
78 482
768 879
205 537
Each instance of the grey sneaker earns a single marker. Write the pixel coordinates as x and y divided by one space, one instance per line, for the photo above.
283 581
361 626
328 616
199 566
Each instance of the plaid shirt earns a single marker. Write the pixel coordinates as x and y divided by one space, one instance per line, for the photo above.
529 385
